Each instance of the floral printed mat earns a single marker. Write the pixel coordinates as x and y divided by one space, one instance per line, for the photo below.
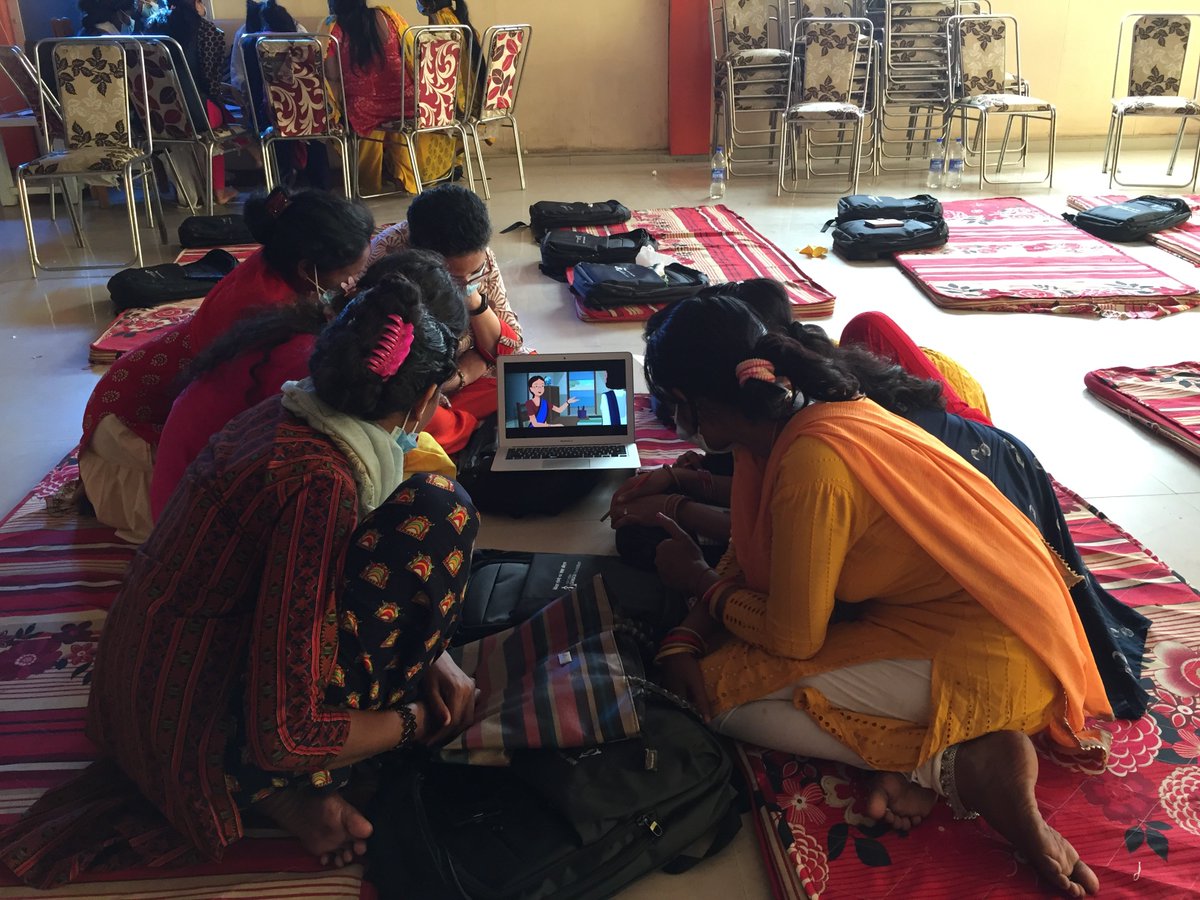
1182 240
1166 399
1007 255
1137 824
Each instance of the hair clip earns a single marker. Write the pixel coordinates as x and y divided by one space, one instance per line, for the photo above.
277 203
762 369
391 351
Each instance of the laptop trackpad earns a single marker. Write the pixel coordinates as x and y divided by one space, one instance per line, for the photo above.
566 463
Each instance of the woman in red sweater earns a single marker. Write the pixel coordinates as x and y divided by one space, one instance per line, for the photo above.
312 242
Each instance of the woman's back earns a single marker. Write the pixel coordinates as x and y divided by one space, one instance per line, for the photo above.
376 92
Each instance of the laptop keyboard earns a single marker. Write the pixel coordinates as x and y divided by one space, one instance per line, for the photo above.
594 451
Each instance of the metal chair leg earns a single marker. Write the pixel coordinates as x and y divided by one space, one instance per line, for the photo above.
131 208
1004 143
208 179
180 187
1053 139
1175 149
1112 170
462 133
487 191
154 196
75 215
1112 121
520 158
410 141
856 157
27 218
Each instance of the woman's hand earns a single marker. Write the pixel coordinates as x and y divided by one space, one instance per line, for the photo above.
681 675
679 561
647 484
690 460
640 511
450 696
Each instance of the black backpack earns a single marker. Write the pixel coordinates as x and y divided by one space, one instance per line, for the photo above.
1132 219
602 285
167 283
866 239
555 824
562 249
508 587
546 215
214 231
517 494
868 206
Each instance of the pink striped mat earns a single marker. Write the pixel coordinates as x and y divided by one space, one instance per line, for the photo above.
1006 255
1182 240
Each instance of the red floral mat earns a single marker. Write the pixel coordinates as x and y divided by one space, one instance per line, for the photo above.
1006 255
718 242
135 327
1137 825
1165 399
58 576
1183 240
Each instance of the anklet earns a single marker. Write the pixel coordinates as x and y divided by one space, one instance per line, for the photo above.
949 785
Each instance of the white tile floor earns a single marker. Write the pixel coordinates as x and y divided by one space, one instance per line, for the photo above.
1031 365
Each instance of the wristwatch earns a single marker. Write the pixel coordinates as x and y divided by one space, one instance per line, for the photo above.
483 306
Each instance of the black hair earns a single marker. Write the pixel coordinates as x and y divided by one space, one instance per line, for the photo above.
276 18
885 382
98 12
358 23
178 20
339 362
442 297
254 16
695 345
313 226
450 220
529 386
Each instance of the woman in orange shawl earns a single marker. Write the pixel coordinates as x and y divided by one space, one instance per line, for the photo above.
882 604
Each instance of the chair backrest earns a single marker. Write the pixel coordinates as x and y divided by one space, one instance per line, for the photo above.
829 50
914 57
93 88
299 99
167 84
505 48
435 67
25 78
747 25
980 49
60 27
1158 49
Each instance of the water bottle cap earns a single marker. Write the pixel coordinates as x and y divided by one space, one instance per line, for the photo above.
939 140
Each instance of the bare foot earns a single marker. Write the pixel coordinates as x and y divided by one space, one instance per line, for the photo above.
996 775
324 821
898 801
227 195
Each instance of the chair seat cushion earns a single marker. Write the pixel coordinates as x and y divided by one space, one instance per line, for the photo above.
226 133
764 57
824 110
84 160
1157 106
1008 103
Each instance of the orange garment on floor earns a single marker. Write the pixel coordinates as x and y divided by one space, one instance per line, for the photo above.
860 506
452 427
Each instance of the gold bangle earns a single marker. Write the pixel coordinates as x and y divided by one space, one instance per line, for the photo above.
462 379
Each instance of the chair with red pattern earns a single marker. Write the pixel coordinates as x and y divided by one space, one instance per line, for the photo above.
504 51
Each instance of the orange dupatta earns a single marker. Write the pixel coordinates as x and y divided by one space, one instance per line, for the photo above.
985 544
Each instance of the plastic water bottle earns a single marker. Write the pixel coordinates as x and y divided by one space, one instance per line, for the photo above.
716 190
936 165
955 159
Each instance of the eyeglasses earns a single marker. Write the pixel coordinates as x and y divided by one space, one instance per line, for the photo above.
476 276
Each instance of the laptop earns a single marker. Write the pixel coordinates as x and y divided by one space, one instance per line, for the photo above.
565 411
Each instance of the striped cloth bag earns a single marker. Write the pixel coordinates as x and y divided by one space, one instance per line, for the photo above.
555 680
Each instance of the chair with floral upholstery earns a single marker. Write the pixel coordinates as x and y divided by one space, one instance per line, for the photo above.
302 103
986 56
1157 58
828 49
504 51
94 93
436 67
17 68
752 71
173 121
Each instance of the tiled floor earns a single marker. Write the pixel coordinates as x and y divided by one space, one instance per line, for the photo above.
1031 365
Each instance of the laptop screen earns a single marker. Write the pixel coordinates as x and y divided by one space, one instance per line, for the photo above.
564 398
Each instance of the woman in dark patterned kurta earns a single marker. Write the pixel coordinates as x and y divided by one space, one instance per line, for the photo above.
223 679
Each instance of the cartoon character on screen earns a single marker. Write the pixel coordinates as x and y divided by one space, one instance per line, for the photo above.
538 408
612 401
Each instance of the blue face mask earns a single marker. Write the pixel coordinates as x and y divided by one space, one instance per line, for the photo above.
324 297
405 440
470 289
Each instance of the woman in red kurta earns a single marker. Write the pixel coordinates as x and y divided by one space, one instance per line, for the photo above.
254 360
239 667
312 243
454 222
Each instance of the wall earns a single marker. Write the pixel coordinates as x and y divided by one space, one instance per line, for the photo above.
597 74
36 15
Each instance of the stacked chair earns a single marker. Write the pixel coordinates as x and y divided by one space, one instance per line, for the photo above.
19 71
94 93
1158 60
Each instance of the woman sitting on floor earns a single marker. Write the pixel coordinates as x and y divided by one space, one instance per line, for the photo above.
1116 633
957 638
235 672
312 243
253 360
454 222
